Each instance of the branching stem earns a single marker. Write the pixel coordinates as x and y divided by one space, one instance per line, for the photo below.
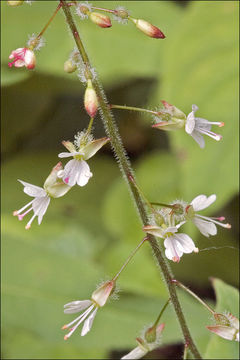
125 166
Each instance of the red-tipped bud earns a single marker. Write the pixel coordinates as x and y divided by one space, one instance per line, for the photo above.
101 20
90 100
149 29
15 3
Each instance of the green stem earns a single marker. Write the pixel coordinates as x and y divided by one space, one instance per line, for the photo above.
132 108
49 21
162 311
125 166
178 283
130 257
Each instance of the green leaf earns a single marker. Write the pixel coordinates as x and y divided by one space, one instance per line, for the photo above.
227 300
201 67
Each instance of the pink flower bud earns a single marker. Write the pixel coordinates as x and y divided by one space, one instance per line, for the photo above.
149 29
90 100
22 57
15 3
100 19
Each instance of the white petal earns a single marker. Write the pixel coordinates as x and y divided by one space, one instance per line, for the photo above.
71 172
198 138
40 206
84 173
66 154
194 108
185 243
202 202
226 332
33 190
88 323
172 252
205 227
76 306
190 123
203 124
136 353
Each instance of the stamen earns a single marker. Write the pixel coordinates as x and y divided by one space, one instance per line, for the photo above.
17 212
27 227
210 134
21 216
79 317
227 226
83 317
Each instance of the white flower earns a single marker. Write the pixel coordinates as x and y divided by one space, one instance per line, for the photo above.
205 224
99 298
227 327
197 126
53 187
38 205
77 171
176 244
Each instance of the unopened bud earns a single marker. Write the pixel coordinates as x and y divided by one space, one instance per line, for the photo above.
101 295
54 186
100 19
69 67
15 3
90 100
150 334
148 29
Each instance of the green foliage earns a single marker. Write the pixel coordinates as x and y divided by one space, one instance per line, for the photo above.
200 65
227 300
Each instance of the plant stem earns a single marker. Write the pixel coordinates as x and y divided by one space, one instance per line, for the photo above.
162 311
132 108
125 167
178 283
49 21
130 257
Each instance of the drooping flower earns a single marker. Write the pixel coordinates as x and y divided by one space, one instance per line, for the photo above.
175 244
22 57
205 224
227 326
145 346
77 171
98 299
196 127
53 187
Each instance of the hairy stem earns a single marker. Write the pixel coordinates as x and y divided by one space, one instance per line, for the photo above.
125 166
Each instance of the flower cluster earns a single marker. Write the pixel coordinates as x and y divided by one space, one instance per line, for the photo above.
169 219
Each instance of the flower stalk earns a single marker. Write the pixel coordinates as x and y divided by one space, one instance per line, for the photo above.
126 169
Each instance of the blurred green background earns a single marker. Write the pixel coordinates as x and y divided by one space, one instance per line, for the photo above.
86 235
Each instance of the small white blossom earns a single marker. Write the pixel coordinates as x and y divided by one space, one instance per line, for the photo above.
77 171
227 327
196 126
175 244
99 299
38 205
205 224
52 188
